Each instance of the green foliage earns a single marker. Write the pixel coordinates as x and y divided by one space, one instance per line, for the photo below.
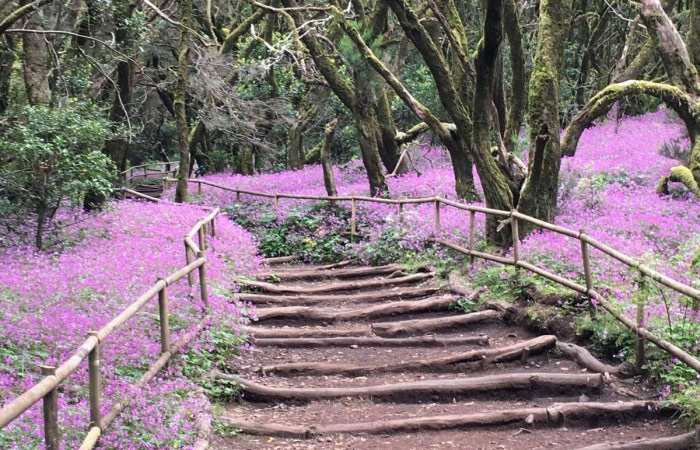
313 232
51 155
222 345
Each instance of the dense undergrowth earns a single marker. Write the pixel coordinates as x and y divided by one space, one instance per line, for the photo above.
51 299
608 189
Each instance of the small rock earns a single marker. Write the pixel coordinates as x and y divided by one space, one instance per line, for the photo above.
583 398
354 346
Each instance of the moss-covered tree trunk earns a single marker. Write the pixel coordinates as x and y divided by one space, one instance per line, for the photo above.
36 61
7 59
179 104
518 93
118 149
539 196
389 149
295 143
496 190
325 156
244 163
367 133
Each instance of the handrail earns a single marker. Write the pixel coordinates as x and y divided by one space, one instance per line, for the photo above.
514 217
47 387
162 168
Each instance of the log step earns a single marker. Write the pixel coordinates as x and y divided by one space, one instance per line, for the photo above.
305 332
554 415
336 286
418 326
364 341
328 314
456 386
679 442
367 297
485 356
316 274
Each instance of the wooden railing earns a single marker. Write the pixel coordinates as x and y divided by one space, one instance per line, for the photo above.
516 260
150 170
47 388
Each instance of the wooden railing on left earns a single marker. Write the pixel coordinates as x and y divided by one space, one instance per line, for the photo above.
47 388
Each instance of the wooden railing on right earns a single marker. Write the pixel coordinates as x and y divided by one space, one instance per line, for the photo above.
47 388
514 217
150 170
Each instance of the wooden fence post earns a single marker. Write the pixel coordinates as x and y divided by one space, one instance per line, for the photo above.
213 226
353 219
188 260
639 340
400 212
199 188
238 196
436 226
95 388
202 238
586 256
203 281
472 232
51 434
516 238
276 202
164 321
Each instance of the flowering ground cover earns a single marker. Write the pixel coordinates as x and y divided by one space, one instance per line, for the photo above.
608 188
50 300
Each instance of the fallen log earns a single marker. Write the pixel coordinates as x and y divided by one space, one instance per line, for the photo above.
682 441
297 332
416 326
335 265
371 341
330 314
334 287
457 386
555 415
295 275
583 358
491 355
368 297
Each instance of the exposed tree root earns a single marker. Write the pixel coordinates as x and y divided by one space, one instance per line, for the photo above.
296 332
369 297
333 287
294 275
335 265
372 341
511 381
554 415
311 313
583 358
491 355
682 441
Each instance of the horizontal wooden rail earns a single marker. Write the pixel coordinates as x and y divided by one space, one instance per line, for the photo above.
90 347
140 195
516 216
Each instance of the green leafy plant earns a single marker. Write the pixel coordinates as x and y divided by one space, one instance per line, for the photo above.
48 156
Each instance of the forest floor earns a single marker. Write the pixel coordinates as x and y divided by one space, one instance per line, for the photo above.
343 369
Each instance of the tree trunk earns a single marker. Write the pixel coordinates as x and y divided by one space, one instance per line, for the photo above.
181 125
389 149
496 190
486 68
518 96
295 146
118 149
7 59
367 132
328 176
539 196
36 61
244 163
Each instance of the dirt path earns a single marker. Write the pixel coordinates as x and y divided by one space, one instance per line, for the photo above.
359 358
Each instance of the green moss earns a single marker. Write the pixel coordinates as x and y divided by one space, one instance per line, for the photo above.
684 175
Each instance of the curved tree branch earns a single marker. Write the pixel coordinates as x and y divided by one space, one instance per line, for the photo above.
674 97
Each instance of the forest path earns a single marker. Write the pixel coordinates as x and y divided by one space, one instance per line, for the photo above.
364 358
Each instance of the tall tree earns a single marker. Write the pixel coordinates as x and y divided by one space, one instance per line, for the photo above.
179 104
